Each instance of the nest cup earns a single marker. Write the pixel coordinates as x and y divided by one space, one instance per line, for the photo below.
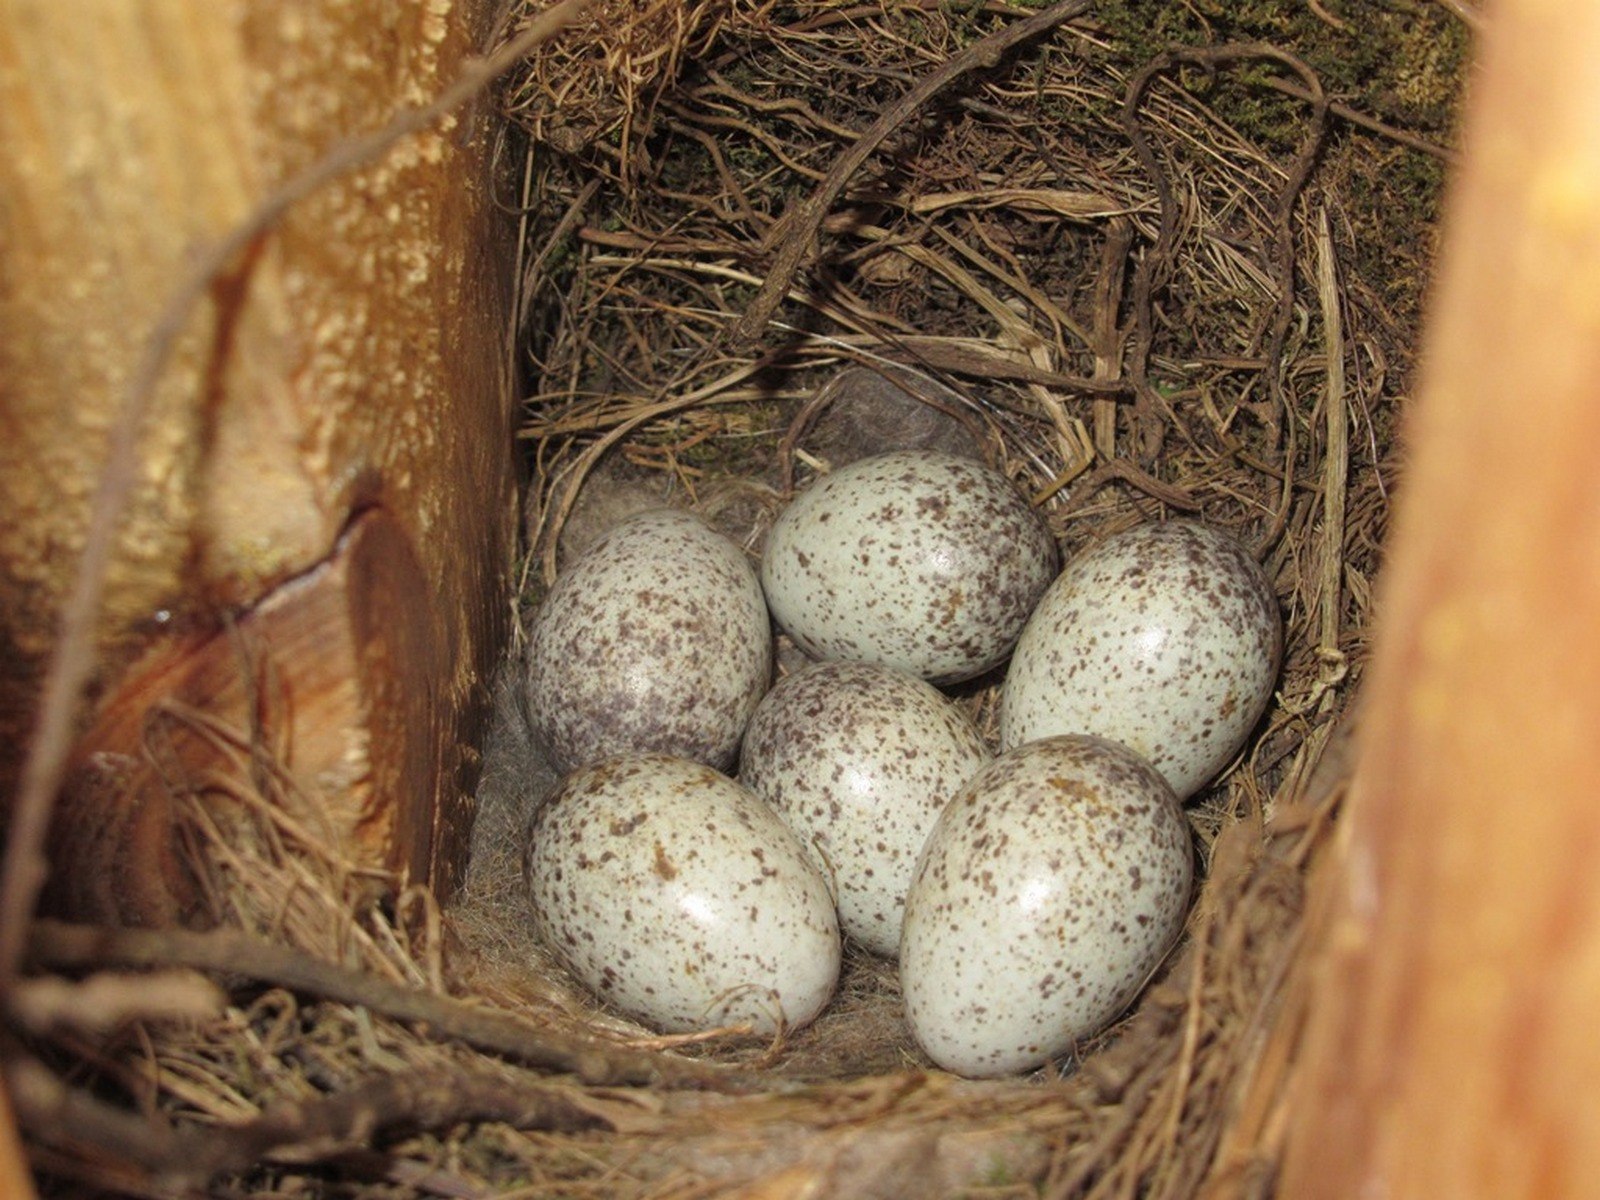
1079 266
1131 268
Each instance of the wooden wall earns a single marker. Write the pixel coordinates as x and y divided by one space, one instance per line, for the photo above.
317 552
1454 1031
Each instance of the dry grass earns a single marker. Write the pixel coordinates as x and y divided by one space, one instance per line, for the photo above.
1149 286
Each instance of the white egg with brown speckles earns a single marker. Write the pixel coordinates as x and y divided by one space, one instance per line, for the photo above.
680 898
657 639
1165 638
860 759
914 559
1050 890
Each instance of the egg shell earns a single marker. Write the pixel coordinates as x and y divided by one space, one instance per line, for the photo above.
859 760
914 559
680 898
656 639
1049 890
1166 638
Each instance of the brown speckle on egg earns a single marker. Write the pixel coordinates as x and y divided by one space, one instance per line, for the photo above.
1067 859
859 760
709 915
913 559
656 639
1165 638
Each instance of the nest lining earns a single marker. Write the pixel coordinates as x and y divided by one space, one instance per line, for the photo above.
1082 252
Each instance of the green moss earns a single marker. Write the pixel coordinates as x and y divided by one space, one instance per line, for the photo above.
1399 63
998 1173
1395 62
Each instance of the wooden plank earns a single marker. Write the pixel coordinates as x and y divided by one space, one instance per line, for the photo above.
16 1179
1452 1045
356 366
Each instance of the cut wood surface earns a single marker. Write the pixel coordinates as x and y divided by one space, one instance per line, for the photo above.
350 379
1454 1022
16 1180
308 674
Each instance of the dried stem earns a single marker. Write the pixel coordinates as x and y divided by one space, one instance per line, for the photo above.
1156 267
78 947
306 1132
798 231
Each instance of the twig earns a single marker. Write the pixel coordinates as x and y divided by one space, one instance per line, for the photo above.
1128 1110
76 947
1336 453
798 231
1109 334
72 659
106 1000
1326 17
307 1132
1184 1069
1355 116
1130 473
986 361
1153 270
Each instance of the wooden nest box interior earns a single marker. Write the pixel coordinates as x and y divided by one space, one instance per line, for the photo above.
318 540
262 498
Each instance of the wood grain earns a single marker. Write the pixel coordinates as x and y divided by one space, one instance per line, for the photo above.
1453 1044
356 365
318 675
16 1180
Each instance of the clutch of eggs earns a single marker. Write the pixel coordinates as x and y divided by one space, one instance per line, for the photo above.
1050 886
676 895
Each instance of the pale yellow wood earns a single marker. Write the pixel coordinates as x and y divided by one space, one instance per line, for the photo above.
356 362
1453 1044
16 1180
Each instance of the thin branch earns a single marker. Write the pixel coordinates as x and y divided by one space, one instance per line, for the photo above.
1371 124
106 1000
309 1131
1336 452
62 946
1153 271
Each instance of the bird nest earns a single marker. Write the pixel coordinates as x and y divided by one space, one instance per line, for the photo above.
1144 270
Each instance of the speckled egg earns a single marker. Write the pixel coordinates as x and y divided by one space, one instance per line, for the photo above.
860 760
1050 889
656 639
1165 638
680 898
914 559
